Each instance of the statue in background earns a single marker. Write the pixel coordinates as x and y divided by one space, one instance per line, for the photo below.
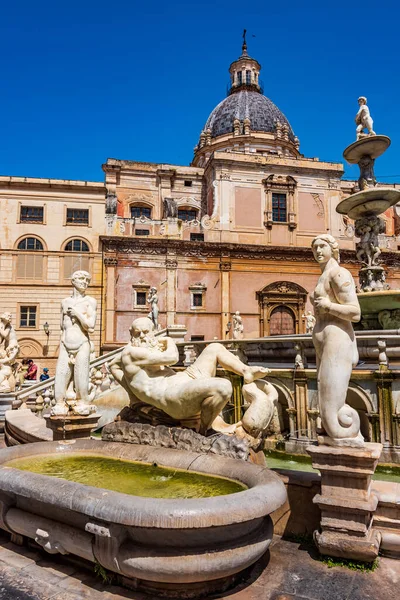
238 328
8 353
336 308
310 321
170 208
363 119
152 299
194 395
78 319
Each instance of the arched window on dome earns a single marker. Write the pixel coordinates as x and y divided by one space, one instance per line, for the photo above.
77 257
187 214
30 259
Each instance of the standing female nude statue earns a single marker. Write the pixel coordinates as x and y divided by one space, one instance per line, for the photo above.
78 319
336 308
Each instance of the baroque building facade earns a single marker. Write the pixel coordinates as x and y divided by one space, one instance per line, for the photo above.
230 232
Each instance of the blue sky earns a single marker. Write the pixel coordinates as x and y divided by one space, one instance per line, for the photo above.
84 81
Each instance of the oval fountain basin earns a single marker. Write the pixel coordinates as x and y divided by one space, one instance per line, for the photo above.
128 477
179 545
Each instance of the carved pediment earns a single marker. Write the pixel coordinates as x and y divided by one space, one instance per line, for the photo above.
283 287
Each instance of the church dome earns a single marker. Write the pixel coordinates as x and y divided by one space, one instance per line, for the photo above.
246 121
244 104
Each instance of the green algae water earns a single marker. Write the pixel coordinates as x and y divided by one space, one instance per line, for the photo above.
300 462
128 477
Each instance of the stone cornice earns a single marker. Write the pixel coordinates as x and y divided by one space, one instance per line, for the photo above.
91 187
158 247
294 164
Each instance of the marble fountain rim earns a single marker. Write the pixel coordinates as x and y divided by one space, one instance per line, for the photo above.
265 492
387 196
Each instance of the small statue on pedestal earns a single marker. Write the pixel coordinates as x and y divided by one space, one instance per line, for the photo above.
152 299
238 328
8 353
78 319
363 119
310 321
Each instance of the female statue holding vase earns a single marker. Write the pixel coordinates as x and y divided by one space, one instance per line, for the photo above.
336 308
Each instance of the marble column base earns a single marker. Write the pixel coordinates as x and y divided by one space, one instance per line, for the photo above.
346 501
72 427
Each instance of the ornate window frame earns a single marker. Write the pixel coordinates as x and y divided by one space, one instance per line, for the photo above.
140 286
194 289
279 184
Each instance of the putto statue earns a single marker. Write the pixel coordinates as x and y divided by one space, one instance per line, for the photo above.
152 299
195 394
363 119
310 321
78 319
336 308
8 353
238 328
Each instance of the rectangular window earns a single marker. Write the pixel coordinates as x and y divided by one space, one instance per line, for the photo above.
187 214
197 237
31 214
188 183
248 77
142 232
141 299
77 216
27 316
279 214
140 211
197 300
239 77
197 338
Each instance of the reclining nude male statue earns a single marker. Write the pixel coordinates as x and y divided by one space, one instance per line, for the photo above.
143 370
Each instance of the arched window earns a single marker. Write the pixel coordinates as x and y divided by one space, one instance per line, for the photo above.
77 260
29 264
30 243
76 246
187 214
140 211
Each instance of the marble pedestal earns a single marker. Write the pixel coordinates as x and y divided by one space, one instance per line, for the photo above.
72 427
346 501
6 402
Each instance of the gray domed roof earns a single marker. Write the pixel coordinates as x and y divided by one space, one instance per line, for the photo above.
243 104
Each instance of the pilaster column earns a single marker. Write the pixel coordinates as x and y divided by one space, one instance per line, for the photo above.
384 379
373 419
225 268
292 412
109 301
313 415
301 399
171 265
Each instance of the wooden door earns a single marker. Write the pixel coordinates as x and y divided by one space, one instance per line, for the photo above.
282 321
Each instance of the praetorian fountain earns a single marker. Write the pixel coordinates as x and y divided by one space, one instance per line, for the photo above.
206 517
380 306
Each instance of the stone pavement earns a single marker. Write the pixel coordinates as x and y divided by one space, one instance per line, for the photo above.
291 571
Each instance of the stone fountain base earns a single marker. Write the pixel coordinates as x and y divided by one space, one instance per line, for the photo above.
180 548
72 427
